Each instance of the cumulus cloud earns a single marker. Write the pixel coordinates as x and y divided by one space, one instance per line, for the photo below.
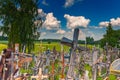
69 3
76 21
41 13
51 22
113 21
60 31
104 24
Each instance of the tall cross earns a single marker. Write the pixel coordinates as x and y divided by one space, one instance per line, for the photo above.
73 45
39 76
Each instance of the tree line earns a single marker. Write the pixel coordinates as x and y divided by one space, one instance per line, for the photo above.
112 37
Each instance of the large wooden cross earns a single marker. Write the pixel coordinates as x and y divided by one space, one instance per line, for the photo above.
39 76
73 45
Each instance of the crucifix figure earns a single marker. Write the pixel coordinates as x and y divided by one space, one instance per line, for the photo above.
39 76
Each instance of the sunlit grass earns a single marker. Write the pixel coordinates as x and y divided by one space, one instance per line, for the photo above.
2 46
41 47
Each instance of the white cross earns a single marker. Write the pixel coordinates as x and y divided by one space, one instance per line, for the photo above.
39 76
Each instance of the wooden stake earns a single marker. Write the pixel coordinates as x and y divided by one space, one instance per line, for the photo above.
53 67
62 75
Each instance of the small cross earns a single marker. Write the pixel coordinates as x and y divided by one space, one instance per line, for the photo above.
39 76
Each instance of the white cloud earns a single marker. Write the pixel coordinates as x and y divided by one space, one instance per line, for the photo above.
113 21
41 13
76 21
51 22
61 31
70 33
104 24
69 3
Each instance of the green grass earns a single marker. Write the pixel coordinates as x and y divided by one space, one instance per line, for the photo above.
89 68
2 46
3 42
44 46
40 48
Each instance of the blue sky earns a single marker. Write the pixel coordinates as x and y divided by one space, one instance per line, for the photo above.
96 10
91 16
60 17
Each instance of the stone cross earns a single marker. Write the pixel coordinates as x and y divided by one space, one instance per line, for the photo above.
39 76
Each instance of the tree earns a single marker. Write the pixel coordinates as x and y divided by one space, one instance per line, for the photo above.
90 40
111 37
18 18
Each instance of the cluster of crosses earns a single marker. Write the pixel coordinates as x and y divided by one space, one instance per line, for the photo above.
44 60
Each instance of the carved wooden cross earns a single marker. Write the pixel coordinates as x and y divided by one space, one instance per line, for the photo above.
39 76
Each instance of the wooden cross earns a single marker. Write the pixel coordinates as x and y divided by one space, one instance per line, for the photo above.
94 66
63 65
39 76
53 68
73 45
